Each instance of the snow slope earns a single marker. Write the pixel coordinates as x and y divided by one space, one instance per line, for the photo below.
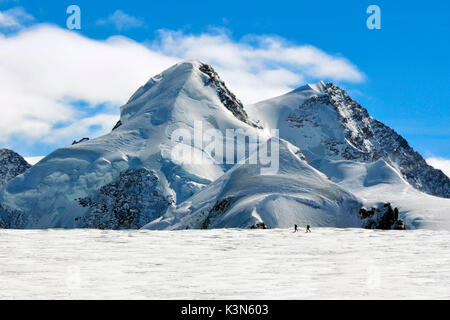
244 198
325 123
379 182
49 193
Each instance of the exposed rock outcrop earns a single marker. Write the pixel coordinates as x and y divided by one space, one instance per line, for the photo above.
11 165
134 199
382 217
12 219
80 141
367 140
219 208
228 99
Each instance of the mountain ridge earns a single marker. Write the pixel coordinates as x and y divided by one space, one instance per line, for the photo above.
355 135
129 177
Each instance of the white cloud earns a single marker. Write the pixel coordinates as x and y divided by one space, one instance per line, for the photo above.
14 18
121 21
258 67
440 163
44 69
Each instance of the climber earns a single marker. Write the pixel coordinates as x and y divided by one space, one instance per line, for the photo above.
295 228
308 228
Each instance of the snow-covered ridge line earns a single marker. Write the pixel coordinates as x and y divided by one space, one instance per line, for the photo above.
328 125
228 99
378 141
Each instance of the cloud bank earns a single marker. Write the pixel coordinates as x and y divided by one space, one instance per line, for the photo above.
57 85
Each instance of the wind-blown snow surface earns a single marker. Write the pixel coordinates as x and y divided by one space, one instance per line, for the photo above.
224 264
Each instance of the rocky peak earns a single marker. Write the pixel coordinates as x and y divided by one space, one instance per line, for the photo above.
170 90
227 98
368 140
11 165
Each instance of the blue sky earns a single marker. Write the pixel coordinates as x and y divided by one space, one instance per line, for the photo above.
404 67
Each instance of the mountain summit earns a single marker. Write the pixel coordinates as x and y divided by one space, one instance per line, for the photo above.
327 124
161 98
98 183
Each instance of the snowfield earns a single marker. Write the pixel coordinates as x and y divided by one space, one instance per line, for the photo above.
224 264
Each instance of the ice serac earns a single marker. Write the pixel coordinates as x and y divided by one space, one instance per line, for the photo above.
11 165
328 125
245 198
88 184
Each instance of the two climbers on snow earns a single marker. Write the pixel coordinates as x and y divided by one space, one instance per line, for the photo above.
308 228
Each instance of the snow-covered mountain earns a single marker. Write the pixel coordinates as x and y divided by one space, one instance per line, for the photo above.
11 165
74 186
300 194
333 160
243 198
326 124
